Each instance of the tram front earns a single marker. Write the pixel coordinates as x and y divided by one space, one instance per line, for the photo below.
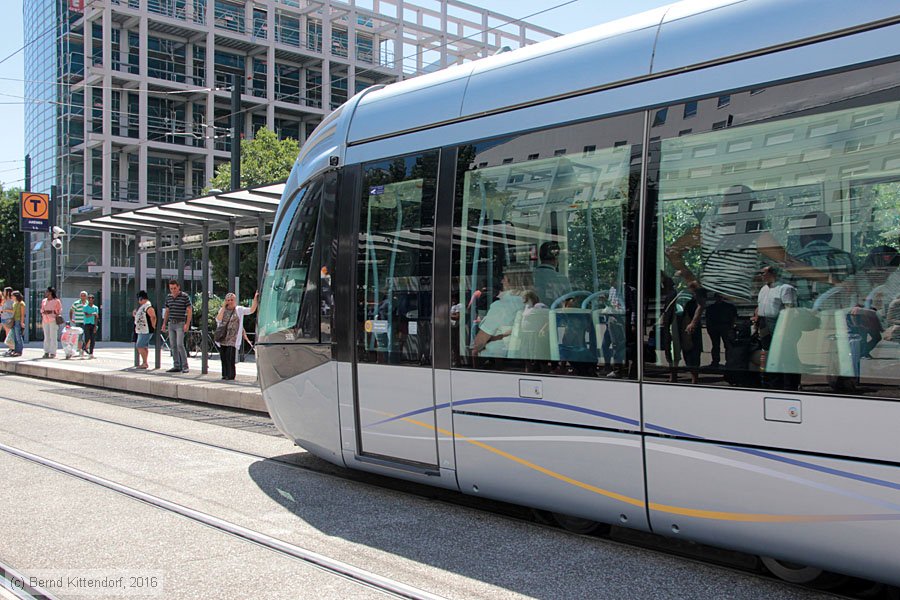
296 372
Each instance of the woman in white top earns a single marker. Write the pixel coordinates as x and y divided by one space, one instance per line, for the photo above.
229 331
144 326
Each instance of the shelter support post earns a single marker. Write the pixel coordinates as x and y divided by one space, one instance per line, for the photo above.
179 257
160 301
137 282
260 251
233 251
204 304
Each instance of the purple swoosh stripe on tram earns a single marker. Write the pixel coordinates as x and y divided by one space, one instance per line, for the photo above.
658 428
505 400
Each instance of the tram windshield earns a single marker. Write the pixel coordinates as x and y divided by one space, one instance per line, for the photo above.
289 299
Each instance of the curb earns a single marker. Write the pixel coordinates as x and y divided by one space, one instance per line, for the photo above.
205 392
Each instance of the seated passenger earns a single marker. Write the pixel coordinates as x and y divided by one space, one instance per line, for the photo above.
494 329
549 283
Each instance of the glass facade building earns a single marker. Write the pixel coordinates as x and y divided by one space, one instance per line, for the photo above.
132 101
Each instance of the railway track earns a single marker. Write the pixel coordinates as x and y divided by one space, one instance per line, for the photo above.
743 563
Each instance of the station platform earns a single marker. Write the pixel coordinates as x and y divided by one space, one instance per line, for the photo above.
113 368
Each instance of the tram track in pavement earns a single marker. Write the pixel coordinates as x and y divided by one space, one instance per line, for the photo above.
16 586
735 561
386 585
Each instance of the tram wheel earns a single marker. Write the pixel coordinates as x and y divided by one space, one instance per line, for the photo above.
579 525
803 574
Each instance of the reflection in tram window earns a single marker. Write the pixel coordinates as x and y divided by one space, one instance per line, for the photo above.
289 300
544 267
816 196
395 261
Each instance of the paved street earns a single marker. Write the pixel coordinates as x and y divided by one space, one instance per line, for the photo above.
56 522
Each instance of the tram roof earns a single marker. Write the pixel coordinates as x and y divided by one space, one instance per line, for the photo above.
216 211
662 41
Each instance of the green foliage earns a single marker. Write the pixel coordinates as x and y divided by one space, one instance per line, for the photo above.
12 241
215 303
264 159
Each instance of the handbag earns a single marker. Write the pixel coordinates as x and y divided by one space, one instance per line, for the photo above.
60 320
222 330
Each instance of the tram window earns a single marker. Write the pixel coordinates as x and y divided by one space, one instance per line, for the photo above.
288 308
395 260
544 267
783 274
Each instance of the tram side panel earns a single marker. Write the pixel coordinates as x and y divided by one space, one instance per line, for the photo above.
835 514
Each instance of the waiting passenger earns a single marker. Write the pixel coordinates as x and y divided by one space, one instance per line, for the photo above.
549 283
494 329
721 316
773 298
692 333
832 264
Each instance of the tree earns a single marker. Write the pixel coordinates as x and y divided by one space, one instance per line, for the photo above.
12 241
264 159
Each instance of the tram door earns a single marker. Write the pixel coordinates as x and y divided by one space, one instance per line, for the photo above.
394 374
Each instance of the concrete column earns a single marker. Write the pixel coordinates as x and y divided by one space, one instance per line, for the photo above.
106 282
398 47
443 34
270 69
210 96
326 62
142 113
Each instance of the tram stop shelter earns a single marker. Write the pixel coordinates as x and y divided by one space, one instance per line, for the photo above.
186 225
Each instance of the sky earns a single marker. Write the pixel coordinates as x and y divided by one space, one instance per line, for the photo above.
564 16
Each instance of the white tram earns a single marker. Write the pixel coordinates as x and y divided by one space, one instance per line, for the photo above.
644 274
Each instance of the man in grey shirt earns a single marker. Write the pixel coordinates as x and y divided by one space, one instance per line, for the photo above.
176 322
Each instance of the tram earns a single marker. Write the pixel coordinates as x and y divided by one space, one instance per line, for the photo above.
646 274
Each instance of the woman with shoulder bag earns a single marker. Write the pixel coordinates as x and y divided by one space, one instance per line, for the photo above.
51 319
229 330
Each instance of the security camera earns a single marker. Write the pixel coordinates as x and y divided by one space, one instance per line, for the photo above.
58 231
56 243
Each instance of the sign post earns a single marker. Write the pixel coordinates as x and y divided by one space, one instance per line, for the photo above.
35 212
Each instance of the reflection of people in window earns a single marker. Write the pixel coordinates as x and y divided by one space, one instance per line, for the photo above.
692 336
729 254
721 316
817 252
494 329
728 258
773 298
549 283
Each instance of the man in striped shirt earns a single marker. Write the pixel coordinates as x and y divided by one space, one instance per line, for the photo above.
76 314
176 322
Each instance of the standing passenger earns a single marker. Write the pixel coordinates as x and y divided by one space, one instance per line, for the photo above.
76 316
721 316
90 311
144 325
231 317
176 321
51 310
773 297
6 318
18 324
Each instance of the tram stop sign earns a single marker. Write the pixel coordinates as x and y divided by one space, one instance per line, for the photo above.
35 215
